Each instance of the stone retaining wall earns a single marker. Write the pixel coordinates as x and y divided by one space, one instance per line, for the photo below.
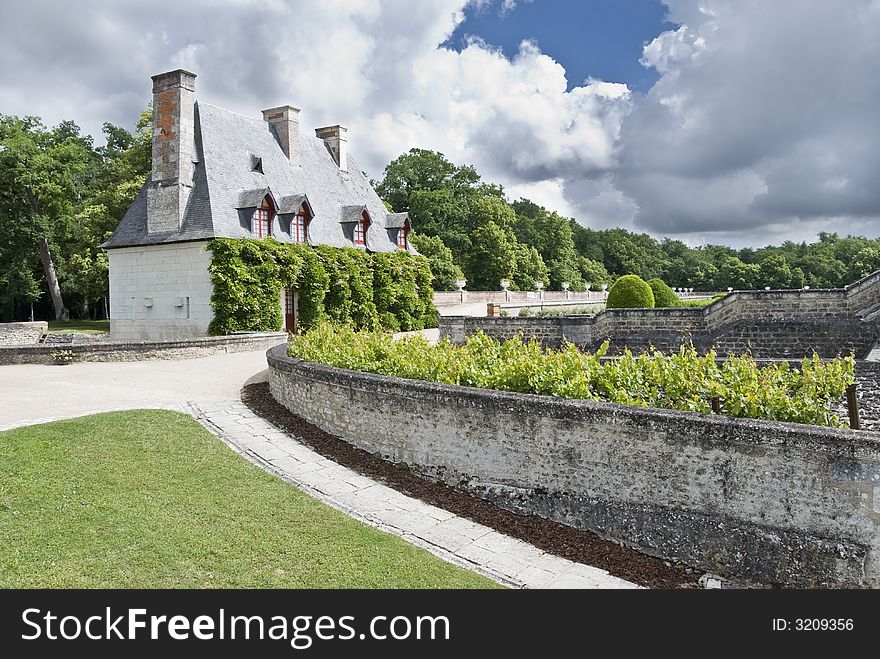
22 334
115 351
772 503
767 323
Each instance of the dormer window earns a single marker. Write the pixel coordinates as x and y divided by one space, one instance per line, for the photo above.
299 225
402 234
360 229
261 224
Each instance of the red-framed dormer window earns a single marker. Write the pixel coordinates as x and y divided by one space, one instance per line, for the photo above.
360 229
402 235
261 224
299 225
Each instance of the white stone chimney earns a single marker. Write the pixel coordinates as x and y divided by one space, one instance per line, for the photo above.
335 137
173 149
284 120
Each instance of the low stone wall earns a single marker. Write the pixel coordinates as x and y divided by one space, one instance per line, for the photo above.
767 323
448 298
115 351
22 334
771 503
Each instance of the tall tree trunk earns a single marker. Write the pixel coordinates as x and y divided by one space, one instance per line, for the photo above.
52 280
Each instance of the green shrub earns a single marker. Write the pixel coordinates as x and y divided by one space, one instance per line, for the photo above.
630 292
683 380
663 295
525 312
568 311
344 286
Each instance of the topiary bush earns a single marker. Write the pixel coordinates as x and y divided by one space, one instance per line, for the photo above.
630 292
663 295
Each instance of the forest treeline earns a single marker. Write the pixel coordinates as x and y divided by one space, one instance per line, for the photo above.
467 228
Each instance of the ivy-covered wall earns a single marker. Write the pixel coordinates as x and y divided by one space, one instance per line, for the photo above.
343 285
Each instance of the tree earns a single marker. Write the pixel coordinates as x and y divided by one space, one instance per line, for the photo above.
17 282
529 268
735 274
488 209
593 273
443 267
60 198
552 236
438 195
775 272
43 174
864 262
492 258
420 170
821 269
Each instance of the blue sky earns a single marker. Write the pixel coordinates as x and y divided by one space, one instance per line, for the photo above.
601 39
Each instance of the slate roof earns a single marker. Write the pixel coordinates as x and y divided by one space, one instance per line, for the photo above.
395 220
227 188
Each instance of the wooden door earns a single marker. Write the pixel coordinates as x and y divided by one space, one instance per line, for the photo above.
290 302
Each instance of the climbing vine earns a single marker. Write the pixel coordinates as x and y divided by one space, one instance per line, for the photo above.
343 286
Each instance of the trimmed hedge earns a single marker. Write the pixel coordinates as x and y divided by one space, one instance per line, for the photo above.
344 286
630 292
663 295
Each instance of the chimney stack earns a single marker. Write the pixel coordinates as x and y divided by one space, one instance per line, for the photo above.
173 149
284 121
335 139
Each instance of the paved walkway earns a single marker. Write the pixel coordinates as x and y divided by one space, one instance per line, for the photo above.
32 394
453 538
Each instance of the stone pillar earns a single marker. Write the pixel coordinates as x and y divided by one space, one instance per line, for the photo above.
173 150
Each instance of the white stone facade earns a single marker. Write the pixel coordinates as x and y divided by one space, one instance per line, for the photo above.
160 292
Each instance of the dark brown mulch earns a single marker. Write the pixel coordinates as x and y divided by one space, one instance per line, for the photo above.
559 539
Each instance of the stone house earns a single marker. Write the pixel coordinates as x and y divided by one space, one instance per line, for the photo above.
216 173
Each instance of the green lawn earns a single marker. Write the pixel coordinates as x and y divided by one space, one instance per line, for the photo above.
79 326
149 498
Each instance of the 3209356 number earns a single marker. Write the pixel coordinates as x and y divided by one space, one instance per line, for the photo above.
823 624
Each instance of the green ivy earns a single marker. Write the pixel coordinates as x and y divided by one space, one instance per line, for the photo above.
343 286
403 292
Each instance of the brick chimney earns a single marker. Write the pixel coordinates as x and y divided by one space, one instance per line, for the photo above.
284 121
335 139
173 149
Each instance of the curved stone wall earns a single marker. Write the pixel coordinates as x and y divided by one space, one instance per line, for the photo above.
771 503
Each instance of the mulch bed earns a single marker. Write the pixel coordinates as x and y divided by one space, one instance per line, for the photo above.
553 537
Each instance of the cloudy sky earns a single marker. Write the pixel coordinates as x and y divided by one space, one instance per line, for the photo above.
725 121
